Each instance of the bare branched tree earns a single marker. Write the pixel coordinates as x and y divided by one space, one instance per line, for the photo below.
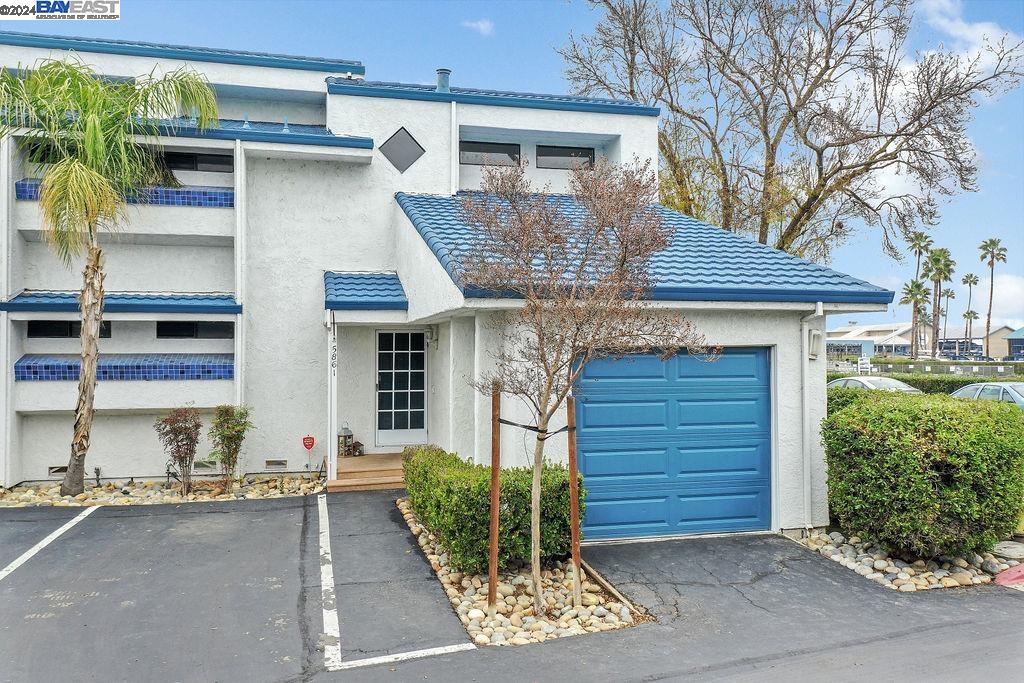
580 265
794 120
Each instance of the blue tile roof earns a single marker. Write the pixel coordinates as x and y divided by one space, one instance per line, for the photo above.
1016 334
703 262
496 98
364 292
264 131
125 302
183 52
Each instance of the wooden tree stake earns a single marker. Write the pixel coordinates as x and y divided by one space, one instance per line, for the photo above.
574 505
492 570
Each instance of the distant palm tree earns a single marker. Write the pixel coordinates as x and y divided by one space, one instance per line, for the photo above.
95 141
971 280
938 268
969 317
947 294
914 294
919 244
992 251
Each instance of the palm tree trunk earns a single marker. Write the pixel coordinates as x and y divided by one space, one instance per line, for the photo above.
991 293
91 304
967 327
936 298
538 464
913 330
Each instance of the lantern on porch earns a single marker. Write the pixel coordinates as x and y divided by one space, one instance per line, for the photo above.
346 441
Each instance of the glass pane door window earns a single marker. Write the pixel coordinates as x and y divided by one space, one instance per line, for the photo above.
401 388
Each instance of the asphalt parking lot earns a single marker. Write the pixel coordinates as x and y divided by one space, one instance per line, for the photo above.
245 591
213 591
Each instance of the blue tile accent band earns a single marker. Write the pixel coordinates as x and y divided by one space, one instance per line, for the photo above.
494 98
702 263
125 302
183 52
127 367
364 292
190 195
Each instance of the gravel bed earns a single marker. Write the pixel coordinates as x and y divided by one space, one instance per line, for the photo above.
154 492
515 622
909 575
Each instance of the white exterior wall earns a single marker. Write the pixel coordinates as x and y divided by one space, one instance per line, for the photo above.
45 443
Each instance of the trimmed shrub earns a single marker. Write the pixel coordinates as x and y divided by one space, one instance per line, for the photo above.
1018 367
228 428
926 475
179 434
928 383
938 384
452 498
839 398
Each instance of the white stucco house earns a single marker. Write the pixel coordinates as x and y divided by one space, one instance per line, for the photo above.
304 269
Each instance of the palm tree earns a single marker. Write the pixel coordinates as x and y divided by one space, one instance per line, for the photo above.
919 244
95 142
971 280
992 251
938 268
914 294
969 317
947 294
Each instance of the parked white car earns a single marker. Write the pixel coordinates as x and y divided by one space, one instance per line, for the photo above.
1010 392
877 383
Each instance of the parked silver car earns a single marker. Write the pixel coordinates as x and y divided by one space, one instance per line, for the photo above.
878 383
1010 392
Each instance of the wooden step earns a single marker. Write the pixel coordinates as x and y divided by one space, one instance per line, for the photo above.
345 475
394 481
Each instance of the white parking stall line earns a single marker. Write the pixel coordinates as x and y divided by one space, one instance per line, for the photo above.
332 631
403 656
53 536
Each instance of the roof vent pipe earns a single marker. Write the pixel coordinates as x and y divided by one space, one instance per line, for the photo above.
443 78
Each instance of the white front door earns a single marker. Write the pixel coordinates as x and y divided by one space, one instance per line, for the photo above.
401 388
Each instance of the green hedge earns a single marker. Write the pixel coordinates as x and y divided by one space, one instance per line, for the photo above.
452 498
839 398
928 383
926 475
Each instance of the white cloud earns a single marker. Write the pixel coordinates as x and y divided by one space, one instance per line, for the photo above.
968 38
1007 304
484 27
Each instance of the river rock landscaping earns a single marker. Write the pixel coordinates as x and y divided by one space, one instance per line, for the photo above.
909 575
155 492
515 622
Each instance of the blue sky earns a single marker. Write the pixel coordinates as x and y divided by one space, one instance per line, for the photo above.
511 45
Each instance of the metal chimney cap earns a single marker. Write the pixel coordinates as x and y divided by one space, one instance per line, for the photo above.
443 76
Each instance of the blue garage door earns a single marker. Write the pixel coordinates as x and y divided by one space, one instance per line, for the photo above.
681 446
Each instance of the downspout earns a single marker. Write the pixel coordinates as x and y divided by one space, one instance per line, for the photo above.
332 395
805 404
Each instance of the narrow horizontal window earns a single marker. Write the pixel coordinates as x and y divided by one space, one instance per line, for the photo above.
61 329
488 153
564 157
191 329
188 161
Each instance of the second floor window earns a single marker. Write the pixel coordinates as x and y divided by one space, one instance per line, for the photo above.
210 163
488 153
549 156
62 329
191 329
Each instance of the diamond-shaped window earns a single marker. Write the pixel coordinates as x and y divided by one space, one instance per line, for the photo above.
402 150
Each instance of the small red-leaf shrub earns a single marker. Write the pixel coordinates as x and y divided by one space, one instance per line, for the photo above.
179 433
